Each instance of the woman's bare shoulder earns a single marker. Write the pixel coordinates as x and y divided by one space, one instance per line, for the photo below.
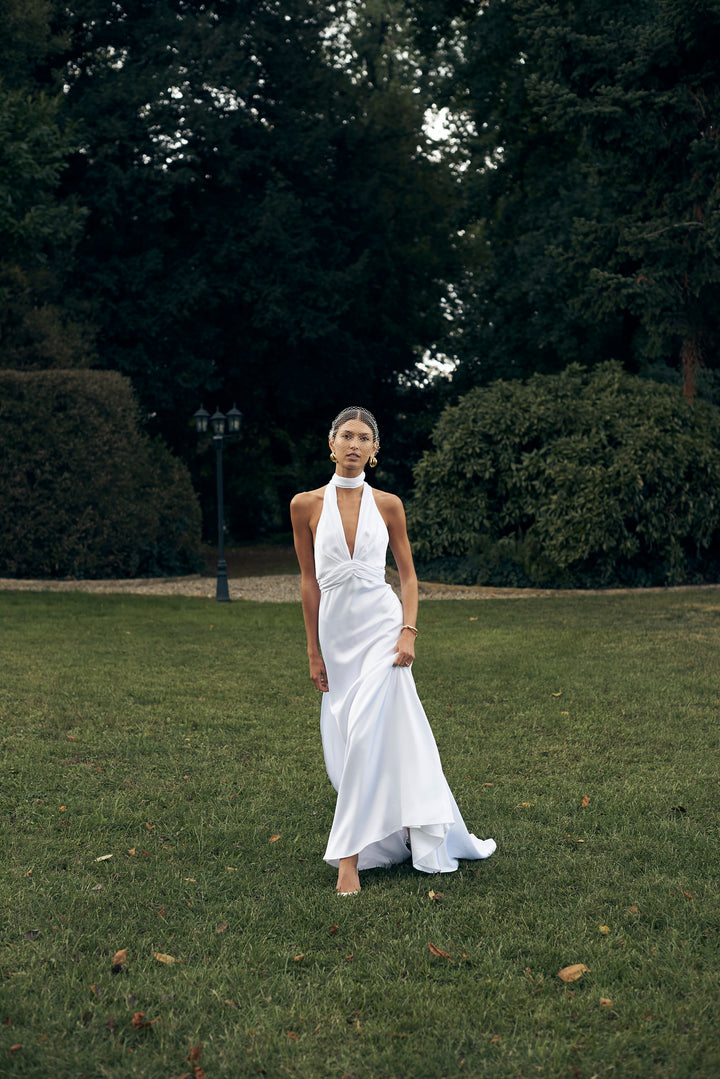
387 500
306 501
390 506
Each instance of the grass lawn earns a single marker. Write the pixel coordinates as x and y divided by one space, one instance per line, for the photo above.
162 790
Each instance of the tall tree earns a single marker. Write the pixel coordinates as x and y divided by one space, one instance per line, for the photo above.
38 226
264 220
596 184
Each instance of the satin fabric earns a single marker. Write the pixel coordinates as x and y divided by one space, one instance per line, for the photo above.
393 801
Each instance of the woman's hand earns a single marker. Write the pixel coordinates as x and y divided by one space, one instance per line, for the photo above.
318 674
405 649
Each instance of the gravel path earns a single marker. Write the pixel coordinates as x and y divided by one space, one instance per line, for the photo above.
285 588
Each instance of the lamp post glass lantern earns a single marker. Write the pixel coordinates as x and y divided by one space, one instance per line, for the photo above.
201 418
220 427
218 423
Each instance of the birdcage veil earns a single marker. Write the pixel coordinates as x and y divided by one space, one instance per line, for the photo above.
355 412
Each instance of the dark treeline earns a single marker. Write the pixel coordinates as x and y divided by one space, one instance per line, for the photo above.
237 201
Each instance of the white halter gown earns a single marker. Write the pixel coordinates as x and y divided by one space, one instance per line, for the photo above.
380 752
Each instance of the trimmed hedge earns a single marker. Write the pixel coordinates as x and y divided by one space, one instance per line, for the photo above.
83 491
588 478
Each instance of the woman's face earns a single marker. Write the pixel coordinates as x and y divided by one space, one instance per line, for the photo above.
353 445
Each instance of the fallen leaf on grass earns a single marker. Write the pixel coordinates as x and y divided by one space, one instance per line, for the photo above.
221 928
605 1002
605 929
634 909
297 958
194 1057
103 858
110 1024
437 897
586 801
119 961
14 1048
70 737
687 895
556 694
573 972
163 958
139 1021
333 930
495 1039
131 851
439 952
97 991
291 1034
32 934
274 838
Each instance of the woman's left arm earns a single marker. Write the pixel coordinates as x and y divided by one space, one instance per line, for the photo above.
400 547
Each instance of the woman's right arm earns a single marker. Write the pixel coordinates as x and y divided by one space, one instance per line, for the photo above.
300 512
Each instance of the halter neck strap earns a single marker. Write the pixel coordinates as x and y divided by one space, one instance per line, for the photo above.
347 481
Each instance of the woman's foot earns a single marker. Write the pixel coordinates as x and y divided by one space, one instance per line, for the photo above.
348 882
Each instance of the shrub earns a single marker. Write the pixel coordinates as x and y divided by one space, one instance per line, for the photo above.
83 491
584 478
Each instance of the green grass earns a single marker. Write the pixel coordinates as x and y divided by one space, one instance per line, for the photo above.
180 735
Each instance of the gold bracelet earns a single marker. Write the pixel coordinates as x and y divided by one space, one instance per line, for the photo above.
412 629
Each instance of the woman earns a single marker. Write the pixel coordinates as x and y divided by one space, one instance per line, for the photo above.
393 799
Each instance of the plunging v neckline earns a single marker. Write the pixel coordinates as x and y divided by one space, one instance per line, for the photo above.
351 554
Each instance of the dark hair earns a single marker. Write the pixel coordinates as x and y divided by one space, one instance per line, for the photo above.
354 412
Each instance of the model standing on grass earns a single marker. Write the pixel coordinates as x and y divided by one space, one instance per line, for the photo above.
393 800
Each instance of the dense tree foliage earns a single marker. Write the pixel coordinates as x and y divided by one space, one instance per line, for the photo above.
264 224
39 226
236 200
586 477
595 183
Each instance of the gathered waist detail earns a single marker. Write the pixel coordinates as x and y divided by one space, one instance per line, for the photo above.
343 571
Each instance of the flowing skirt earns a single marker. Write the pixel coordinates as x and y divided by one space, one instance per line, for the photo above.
393 801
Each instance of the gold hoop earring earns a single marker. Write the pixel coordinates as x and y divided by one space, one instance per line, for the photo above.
333 458
373 461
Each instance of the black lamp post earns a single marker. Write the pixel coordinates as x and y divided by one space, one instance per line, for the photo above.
223 426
